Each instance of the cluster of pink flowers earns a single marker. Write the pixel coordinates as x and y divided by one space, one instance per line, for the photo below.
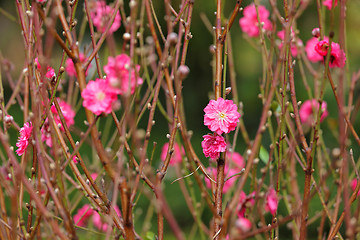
67 112
317 50
309 109
221 116
329 3
24 138
100 95
86 212
100 16
294 42
177 155
70 68
337 55
50 71
249 22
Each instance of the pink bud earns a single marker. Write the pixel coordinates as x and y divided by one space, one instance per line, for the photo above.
243 224
271 201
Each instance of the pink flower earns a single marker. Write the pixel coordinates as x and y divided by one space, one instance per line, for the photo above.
213 145
23 140
119 77
221 116
245 201
249 23
271 201
337 56
101 14
309 109
228 173
50 71
176 155
353 186
98 97
83 214
67 112
237 159
313 55
243 224
328 3
293 44
70 68
98 221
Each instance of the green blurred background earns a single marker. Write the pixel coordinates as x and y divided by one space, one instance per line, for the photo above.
198 85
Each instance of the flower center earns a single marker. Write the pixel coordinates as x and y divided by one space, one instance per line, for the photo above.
100 96
222 116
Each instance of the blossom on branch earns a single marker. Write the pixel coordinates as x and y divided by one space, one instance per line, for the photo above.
294 42
329 3
353 186
68 114
121 80
337 55
66 111
23 140
83 214
271 204
50 72
101 14
308 110
98 221
213 145
313 55
70 68
249 22
98 97
86 212
221 116
243 224
244 202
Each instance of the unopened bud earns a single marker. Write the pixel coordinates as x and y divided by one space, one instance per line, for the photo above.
183 71
227 90
172 38
126 36
316 32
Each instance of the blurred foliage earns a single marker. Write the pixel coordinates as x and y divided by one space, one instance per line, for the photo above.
198 86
